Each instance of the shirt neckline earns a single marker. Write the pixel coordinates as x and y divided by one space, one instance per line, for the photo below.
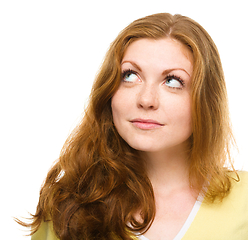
185 226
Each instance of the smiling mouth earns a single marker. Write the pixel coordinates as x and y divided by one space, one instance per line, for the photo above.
146 124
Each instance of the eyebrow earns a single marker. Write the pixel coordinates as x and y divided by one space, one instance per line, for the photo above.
165 72
134 64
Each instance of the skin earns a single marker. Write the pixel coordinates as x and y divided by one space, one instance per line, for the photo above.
152 113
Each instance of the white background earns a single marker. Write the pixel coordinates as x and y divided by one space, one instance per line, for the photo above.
50 52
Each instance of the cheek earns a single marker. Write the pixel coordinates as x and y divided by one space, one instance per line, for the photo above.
185 117
118 105
121 102
114 107
120 112
180 113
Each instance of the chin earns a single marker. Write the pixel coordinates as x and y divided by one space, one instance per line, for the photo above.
144 147
154 147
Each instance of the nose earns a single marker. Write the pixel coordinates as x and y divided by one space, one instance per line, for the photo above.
148 98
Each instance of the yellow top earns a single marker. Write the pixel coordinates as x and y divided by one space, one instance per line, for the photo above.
227 220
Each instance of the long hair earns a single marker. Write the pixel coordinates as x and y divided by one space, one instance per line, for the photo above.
99 182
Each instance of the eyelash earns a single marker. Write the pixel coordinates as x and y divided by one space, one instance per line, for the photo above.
126 72
169 77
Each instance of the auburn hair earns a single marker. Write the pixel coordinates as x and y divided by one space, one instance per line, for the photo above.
99 182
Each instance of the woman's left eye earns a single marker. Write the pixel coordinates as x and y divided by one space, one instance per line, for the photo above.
174 82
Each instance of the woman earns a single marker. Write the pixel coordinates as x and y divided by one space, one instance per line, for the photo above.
148 159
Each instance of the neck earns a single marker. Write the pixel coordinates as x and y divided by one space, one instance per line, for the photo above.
169 169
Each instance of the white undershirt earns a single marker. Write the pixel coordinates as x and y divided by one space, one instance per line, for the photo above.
186 225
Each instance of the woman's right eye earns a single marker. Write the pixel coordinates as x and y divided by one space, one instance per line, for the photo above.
129 76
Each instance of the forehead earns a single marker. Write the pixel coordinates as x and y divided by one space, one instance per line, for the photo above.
164 53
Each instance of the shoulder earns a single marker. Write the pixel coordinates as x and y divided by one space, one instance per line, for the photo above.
45 232
239 185
228 218
232 212
238 194
243 175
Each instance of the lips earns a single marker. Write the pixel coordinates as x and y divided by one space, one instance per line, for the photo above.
146 124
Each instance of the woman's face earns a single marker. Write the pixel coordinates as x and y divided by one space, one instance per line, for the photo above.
152 107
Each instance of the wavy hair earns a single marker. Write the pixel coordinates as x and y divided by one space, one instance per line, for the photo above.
99 182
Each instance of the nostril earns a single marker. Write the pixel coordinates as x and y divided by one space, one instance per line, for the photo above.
148 102
148 97
152 104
